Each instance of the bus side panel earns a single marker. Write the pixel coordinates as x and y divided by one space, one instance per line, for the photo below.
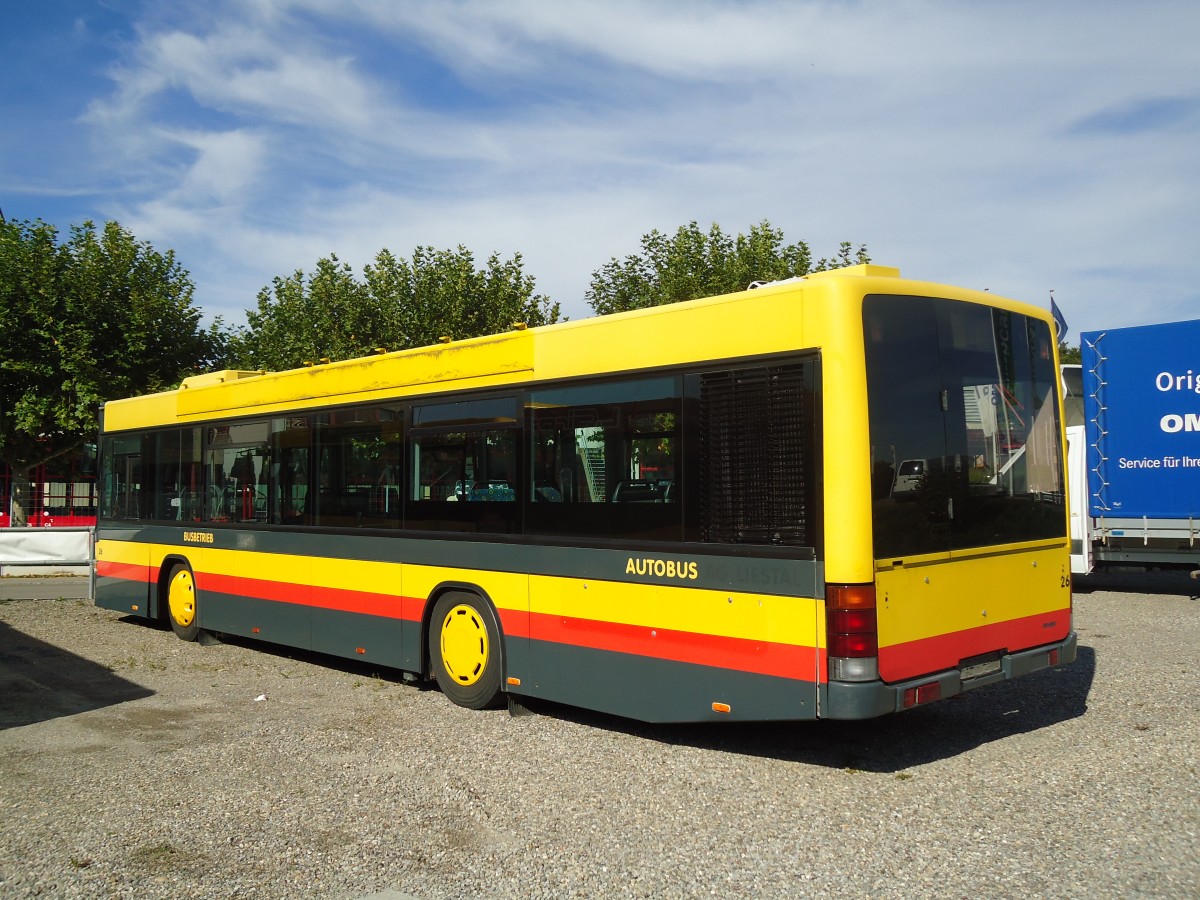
599 644
358 611
344 607
662 690
124 575
932 618
258 595
252 617
348 608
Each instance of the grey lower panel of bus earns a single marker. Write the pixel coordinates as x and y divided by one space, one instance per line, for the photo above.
123 595
648 689
393 643
656 690
652 690
623 684
866 700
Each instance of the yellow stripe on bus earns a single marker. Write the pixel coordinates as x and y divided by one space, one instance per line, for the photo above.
784 620
123 552
507 590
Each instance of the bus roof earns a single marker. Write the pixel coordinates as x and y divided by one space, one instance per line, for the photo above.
766 320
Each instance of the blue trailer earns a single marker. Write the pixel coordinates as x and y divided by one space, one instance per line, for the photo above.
1141 434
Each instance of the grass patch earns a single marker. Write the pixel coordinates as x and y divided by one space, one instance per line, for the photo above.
155 853
161 857
133 662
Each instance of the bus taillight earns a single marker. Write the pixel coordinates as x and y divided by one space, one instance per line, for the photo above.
851 632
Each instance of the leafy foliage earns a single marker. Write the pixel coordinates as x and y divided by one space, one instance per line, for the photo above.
694 263
1069 354
93 318
96 317
399 303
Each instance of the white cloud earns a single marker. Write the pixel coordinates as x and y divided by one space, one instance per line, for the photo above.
226 164
1007 145
236 69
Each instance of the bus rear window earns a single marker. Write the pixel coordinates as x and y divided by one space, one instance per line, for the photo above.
965 447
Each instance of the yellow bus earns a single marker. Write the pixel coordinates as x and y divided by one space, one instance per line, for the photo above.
686 513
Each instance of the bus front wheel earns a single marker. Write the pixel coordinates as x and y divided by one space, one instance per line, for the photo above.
464 648
181 603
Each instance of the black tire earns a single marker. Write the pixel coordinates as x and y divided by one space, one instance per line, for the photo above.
465 650
180 602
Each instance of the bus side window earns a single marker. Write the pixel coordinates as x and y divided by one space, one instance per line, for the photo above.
174 475
604 457
358 453
121 491
464 480
237 464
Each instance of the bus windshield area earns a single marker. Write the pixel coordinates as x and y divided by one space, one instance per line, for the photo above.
964 425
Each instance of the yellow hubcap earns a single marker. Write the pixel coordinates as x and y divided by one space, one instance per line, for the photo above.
464 643
182 599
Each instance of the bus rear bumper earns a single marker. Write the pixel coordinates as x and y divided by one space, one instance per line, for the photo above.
868 699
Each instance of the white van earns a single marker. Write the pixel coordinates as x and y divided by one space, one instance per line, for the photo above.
909 476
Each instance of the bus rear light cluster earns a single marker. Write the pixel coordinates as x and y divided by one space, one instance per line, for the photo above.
851 632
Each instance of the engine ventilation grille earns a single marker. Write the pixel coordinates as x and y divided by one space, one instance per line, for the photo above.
754 434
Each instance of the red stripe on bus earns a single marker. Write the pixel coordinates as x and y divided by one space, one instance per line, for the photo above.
127 571
899 662
515 622
389 605
740 654
341 599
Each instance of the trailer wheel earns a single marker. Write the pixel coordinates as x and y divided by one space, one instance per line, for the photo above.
181 603
465 651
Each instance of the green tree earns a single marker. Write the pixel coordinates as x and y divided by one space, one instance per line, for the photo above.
304 318
93 318
1069 354
694 263
399 303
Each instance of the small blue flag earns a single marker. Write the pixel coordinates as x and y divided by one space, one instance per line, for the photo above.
1060 324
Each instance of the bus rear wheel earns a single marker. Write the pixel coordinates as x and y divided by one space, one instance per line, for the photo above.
464 648
181 603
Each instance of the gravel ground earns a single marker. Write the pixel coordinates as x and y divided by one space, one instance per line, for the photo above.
134 765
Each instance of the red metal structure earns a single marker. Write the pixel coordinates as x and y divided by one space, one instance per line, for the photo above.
62 493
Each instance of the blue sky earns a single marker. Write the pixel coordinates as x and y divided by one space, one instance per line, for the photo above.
1017 146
